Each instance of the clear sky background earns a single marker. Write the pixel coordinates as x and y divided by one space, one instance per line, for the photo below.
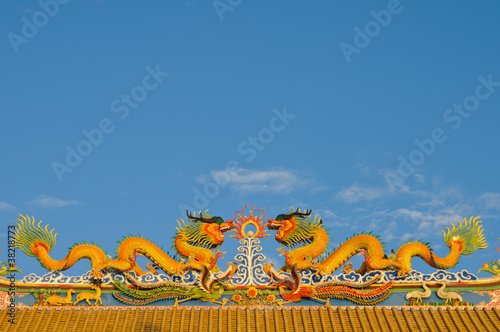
351 105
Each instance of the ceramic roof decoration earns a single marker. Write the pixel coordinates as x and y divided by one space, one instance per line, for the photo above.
316 287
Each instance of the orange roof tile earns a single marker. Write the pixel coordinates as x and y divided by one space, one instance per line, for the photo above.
198 319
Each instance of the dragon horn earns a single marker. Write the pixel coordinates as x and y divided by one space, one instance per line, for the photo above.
192 216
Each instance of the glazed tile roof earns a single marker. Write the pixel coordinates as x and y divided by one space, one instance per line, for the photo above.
196 319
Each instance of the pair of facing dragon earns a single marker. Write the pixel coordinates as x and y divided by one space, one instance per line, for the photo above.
197 242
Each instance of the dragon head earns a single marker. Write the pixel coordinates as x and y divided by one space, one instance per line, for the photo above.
205 230
295 227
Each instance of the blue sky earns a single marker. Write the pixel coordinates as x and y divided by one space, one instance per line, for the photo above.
312 105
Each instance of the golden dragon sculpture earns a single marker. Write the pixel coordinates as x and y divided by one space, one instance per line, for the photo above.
462 240
297 228
194 241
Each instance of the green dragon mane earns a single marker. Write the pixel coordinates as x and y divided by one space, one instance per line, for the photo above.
193 234
305 228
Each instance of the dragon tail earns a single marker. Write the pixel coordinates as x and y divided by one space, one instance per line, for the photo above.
36 241
135 296
29 237
469 234
462 240
355 295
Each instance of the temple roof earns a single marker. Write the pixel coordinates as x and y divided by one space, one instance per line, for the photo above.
251 319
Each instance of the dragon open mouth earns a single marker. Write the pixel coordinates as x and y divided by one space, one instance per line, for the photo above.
226 229
273 226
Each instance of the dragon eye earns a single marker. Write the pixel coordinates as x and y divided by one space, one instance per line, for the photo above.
219 221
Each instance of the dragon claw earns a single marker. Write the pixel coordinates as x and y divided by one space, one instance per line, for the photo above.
347 268
152 268
97 274
363 253
134 259
283 252
217 256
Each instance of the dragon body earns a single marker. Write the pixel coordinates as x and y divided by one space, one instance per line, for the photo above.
297 228
366 244
194 241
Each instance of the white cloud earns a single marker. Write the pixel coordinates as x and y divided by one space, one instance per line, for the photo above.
406 236
412 214
421 214
6 206
365 170
425 218
491 200
44 201
432 218
327 213
331 219
419 177
390 231
356 193
244 180
418 208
